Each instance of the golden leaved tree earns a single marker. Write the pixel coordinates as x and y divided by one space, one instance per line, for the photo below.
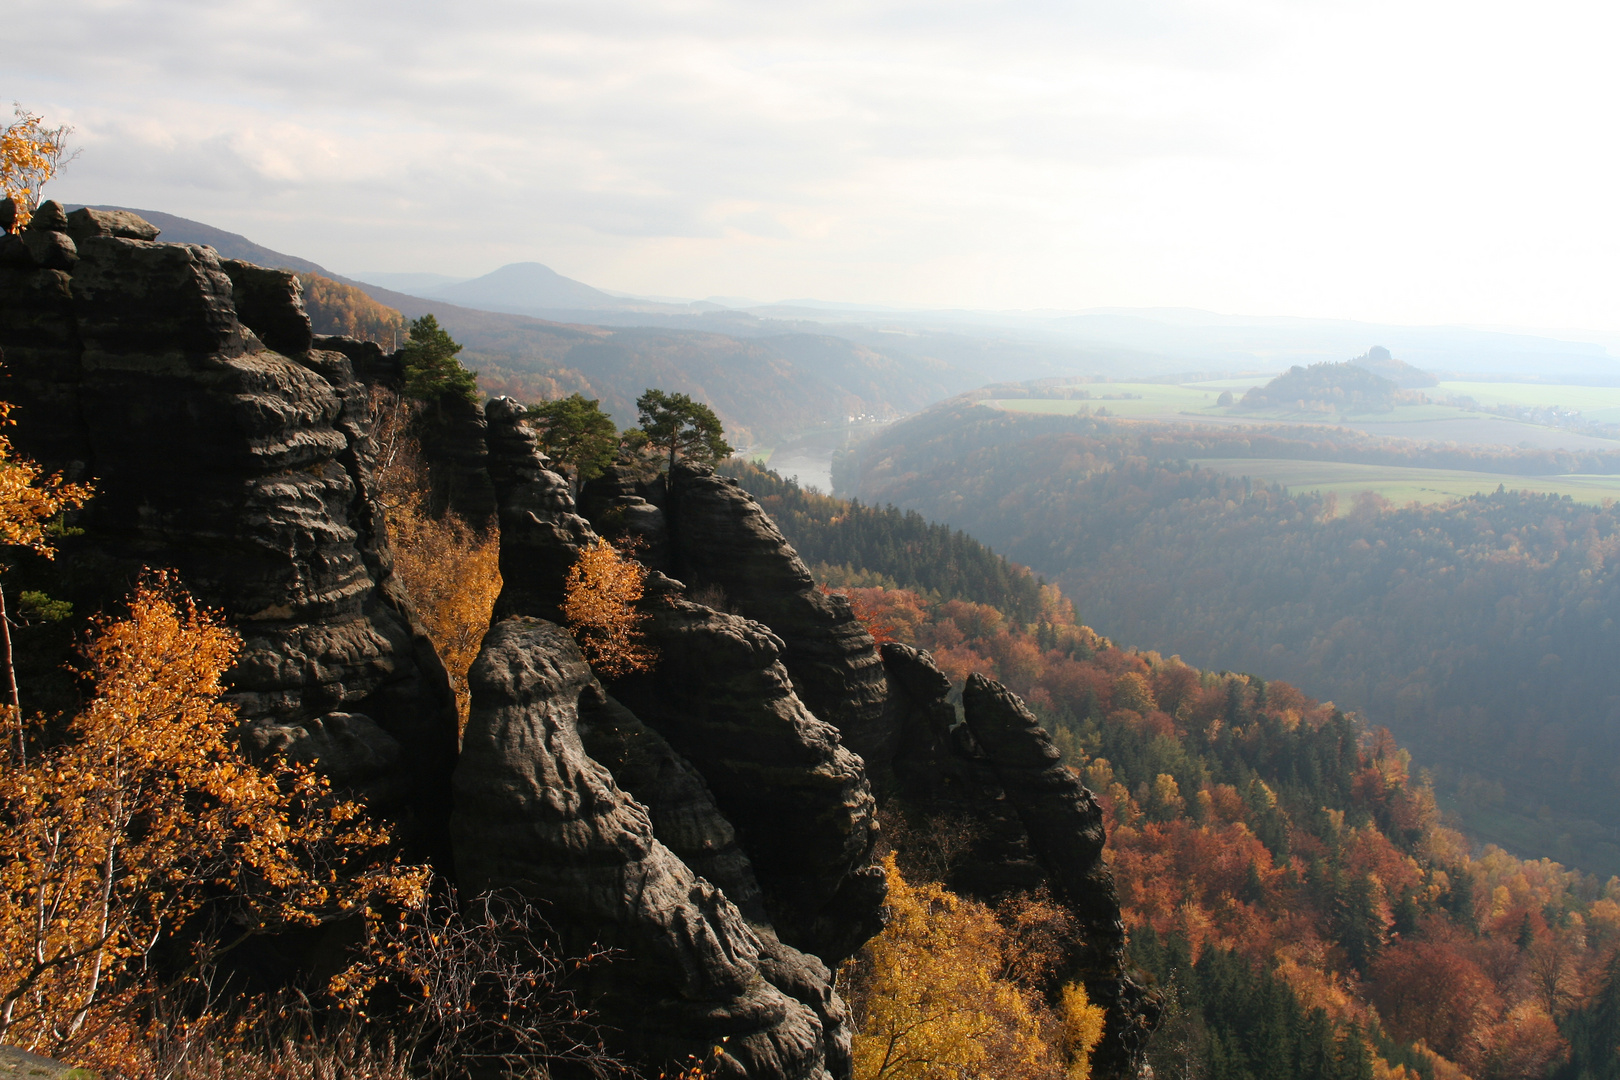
935 1001
450 571
146 822
29 501
30 155
599 605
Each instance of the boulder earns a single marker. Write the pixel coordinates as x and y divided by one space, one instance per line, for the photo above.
535 814
86 222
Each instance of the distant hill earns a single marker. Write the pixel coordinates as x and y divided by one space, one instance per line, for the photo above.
1379 361
766 387
531 287
1344 387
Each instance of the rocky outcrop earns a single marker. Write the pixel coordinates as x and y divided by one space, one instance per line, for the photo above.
961 824
455 448
246 470
620 504
713 820
686 820
541 535
534 813
720 538
700 807
993 787
800 801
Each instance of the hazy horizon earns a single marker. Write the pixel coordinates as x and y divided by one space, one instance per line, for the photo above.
1414 164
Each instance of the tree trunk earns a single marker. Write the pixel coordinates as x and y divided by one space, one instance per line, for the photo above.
11 679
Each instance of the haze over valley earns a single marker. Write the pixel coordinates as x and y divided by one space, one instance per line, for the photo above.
894 541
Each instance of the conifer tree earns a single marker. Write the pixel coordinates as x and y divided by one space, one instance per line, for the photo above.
432 371
577 433
676 424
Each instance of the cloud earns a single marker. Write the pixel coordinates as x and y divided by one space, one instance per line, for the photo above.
1417 160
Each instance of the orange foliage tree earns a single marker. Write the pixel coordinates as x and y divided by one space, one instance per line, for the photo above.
450 571
29 501
336 308
146 821
30 155
599 604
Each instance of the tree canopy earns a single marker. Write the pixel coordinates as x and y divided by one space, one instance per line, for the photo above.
676 424
431 368
576 432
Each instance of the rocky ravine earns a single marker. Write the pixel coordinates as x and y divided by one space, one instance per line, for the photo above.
715 820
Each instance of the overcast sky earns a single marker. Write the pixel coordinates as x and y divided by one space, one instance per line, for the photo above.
1399 160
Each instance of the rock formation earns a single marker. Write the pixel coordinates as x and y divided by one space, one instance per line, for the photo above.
732 726
799 799
994 783
541 535
720 538
713 819
244 468
534 813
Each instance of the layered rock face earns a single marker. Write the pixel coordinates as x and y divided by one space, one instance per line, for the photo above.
534 813
720 538
732 771
799 799
244 468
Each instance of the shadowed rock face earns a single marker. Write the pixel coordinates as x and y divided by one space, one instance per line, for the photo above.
541 535
686 820
800 801
536 814
948 790
247 471
619 504
1032 823
719 536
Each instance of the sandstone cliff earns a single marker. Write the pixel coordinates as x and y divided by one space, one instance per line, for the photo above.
714 820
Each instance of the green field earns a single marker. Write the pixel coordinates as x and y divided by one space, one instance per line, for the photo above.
1599 404
1401 485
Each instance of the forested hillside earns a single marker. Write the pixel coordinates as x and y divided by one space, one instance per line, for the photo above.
1482 631
1286 878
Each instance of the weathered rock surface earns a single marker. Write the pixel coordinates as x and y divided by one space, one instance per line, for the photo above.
541 535
618 504
247 471
534 813
720 537
271 302
958 813
800 801
686 820
85 222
